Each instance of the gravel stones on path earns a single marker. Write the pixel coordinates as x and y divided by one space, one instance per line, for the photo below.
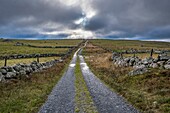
106 100
61 99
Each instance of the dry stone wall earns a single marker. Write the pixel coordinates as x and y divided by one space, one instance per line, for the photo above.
18 70
140 66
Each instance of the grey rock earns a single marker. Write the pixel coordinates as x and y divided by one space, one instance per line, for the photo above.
10 69
28 70
17 73
167 66
145 61
34 68
22 65
132 61
161 63
168 62
3 71
154 65
60 61
22 72
17 67
155 60
164 58
2 78
139 67
10 75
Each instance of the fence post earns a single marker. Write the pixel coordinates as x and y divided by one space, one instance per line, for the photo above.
5 61
151 53
38 60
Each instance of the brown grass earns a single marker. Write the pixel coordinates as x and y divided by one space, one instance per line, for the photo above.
26 60
149 92
28 94
141 55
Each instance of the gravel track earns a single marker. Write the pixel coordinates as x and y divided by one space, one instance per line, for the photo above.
61 99
106 100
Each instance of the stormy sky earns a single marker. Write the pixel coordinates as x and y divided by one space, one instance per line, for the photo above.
113 19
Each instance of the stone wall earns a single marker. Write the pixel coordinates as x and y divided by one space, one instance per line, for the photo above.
20 56
18 70
134 51
63 55
140 66
29 45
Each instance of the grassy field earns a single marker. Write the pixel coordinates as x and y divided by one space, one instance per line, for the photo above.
150 93
66 42
8 48
26 60
28 94
119 45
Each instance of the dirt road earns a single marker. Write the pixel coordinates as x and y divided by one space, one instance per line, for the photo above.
62 98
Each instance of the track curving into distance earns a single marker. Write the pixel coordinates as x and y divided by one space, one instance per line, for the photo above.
62 97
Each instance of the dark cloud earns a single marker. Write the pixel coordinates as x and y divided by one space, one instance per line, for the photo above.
145 18
11 10
16 15
136 17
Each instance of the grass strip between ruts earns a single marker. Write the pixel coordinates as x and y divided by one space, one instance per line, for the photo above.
84 102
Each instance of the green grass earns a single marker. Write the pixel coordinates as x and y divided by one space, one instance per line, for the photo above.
84 102
28 94
26 60
66 42
8 48
54 43
150 92
119 45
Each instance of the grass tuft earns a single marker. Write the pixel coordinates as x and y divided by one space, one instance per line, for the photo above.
84 102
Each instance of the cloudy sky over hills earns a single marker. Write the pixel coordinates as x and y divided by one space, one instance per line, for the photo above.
114 19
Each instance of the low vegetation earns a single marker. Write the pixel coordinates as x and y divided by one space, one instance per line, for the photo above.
84 102
8 48
26 60
148 93
65 42
119 45
28 94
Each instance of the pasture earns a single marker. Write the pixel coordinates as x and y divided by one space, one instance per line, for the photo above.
8 47
119 45
148 92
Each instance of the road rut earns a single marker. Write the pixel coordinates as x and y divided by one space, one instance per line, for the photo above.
61 99
106 100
